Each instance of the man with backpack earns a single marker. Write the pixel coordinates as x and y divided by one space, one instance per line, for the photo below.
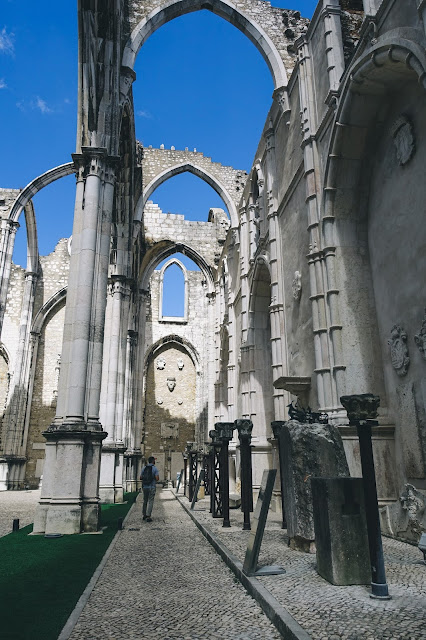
149 476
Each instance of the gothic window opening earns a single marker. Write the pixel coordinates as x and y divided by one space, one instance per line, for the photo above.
173 303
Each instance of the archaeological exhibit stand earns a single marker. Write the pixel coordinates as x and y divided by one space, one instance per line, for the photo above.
361 410
185 470
206 466
260 515
245 428
216 505
225 431
179 481
276 426
197 488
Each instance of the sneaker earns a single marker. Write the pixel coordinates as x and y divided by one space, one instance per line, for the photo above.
149 519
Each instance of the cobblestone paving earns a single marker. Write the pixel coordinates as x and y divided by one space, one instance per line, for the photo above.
17 504
325 611
163 580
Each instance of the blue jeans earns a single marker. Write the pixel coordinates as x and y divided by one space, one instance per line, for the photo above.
148 501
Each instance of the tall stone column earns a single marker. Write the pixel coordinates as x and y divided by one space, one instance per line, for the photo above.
8 231
69 500
111 481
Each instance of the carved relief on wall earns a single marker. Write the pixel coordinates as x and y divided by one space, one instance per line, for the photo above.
399 350
171 383
403 139
161 363
160 400
420 338
297 285
180 363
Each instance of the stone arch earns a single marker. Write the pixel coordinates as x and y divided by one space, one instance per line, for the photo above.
178 263
222 8
158 253
54 301
198 171
169 339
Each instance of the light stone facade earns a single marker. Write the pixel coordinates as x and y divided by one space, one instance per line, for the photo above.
309 288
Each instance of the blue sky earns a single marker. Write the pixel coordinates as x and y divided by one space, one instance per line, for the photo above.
200 83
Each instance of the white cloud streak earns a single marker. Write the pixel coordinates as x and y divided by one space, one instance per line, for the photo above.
143 114
3 84
6 42
42 105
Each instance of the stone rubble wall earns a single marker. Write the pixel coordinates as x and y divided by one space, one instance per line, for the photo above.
7 198
156 161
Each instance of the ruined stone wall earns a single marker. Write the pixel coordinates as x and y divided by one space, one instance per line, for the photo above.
156 161
45 389
283 26
7 197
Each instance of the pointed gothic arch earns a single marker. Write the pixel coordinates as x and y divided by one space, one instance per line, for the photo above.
222 8
197 171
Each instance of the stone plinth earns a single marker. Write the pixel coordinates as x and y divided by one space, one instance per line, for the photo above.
307 450
341 530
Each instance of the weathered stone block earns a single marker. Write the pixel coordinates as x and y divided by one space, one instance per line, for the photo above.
307 450
340 530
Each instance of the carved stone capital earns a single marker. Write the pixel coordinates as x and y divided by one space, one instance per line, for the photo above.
244 428
225 430
361 406
280 95
276 426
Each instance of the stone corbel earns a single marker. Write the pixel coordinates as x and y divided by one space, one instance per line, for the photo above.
280 95
127 77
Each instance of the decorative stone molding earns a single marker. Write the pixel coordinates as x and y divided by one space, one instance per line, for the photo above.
297 285
399 350
420 338
161 363
403 139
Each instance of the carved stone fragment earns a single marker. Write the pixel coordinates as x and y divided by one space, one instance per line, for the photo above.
171 383
420 338
399 350
403 139
161 363
297 285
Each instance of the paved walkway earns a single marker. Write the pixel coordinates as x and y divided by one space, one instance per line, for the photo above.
325 611
164 581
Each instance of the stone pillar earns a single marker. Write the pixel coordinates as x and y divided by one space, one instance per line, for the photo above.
69 500
8 231
111 481
334 43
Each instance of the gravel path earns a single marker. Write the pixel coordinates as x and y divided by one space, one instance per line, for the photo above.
17 504
163 580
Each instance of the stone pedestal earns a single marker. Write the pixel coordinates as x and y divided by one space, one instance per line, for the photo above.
112 469
341 530
3 475
69 501
307 450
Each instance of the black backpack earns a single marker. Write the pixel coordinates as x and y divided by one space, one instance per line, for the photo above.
147 475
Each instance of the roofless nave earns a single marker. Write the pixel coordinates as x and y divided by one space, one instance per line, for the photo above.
312 282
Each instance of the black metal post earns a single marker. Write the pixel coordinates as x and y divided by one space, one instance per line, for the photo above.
360 409
192 473
245 428
206 467
216 503
15 525
225 430
277 425
185 469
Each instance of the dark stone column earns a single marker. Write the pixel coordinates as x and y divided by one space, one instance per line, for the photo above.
245 428
361 409
276 426
225 430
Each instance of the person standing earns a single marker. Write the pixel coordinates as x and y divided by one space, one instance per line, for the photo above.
149 476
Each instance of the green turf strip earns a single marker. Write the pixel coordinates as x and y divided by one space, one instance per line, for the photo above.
41 579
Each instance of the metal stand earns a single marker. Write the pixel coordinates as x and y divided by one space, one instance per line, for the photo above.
250 567
185 470
192 474
179 481
197 488
206 467
225 430
245 428
360 409
216 506
277 425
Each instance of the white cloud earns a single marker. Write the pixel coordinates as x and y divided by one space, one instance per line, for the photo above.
143 114
3 84
42 105
21 105
6 42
